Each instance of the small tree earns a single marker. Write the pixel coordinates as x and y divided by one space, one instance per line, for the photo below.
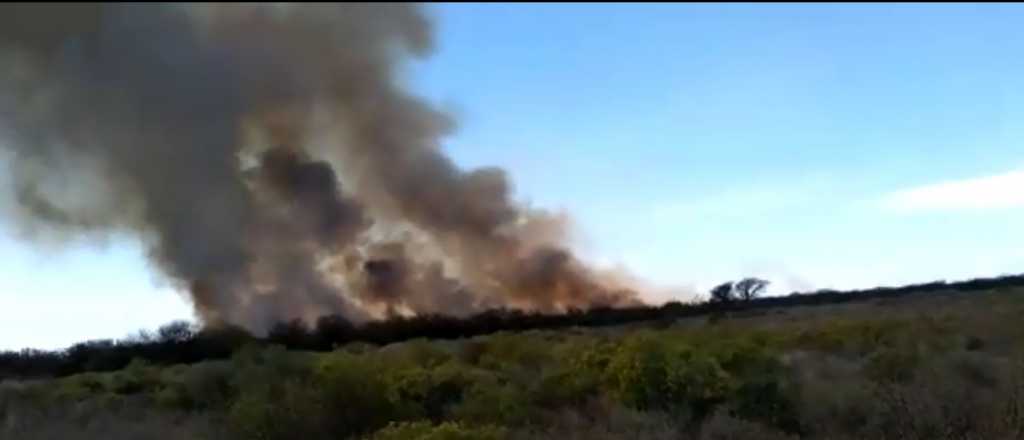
176 332
723 293
333 330
294 334
750 288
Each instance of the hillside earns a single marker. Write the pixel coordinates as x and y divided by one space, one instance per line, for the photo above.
948 364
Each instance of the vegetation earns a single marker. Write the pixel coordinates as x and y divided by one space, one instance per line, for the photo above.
182 343
948 365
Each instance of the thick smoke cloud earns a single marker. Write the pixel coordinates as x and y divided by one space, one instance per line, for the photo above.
270 160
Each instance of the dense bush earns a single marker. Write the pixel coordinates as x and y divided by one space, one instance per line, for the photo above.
444 431
181 342
857 371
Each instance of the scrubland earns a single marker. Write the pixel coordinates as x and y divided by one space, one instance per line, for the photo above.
942 365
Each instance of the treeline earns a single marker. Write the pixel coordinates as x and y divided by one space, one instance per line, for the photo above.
181 342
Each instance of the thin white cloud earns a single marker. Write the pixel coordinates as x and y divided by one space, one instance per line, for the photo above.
1001 191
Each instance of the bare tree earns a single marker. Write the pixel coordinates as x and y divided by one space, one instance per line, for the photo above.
750 288
723 293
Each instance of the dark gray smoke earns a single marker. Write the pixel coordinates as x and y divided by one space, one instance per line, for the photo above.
270 160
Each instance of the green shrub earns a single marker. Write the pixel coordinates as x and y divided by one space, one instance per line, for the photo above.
521 353
278 411
444 431
417 352
355 394
490 402
699 381
285 397
576 376
648 374
357 348
429 392
768 400
638 374
207 385
136 378
472 351
564 387
892 365
79 387
173 396
722 426
834 399
764 390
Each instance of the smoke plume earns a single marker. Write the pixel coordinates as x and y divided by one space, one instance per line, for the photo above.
270 160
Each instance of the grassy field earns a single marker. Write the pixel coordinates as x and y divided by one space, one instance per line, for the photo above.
942 365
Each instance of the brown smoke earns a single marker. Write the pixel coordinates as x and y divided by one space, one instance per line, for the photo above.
270 160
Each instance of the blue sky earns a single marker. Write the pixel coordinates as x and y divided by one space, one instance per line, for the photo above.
817 146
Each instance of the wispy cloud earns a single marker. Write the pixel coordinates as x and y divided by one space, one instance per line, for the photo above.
1000 191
